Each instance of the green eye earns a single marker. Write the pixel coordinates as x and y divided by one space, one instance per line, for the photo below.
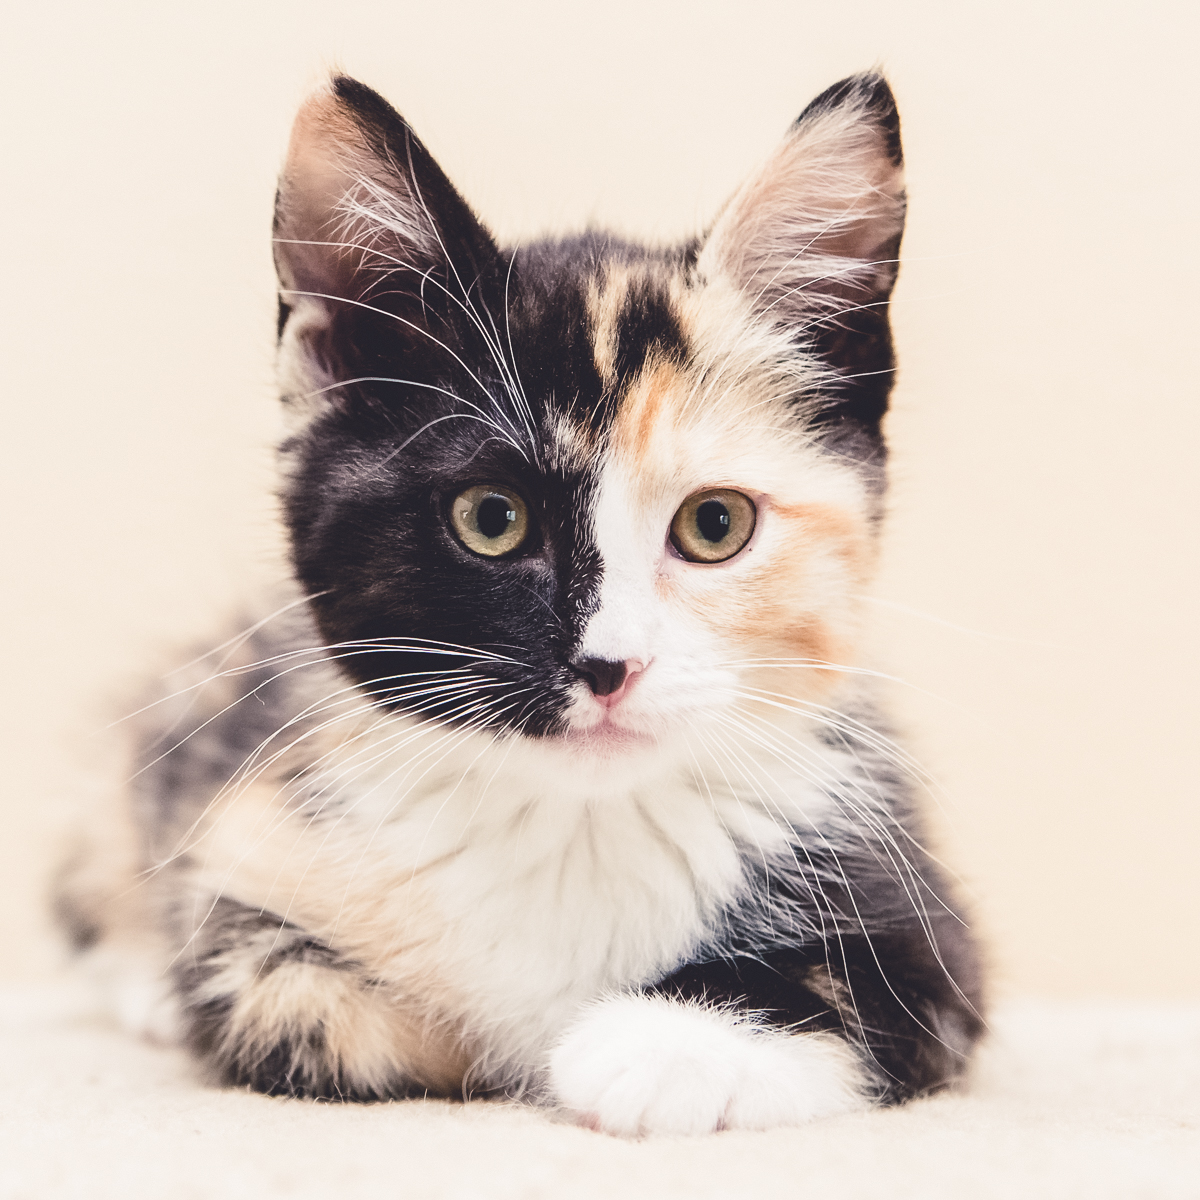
713 525
489 519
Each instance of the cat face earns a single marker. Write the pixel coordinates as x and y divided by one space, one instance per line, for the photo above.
586 490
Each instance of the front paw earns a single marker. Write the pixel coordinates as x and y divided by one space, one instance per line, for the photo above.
645 1064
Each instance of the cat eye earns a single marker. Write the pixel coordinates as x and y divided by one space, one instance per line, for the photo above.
713 525
490 520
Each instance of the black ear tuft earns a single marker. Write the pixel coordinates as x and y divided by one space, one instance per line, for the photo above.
392 141
870 92
369 107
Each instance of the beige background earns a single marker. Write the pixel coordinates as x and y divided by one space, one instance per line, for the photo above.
1040 586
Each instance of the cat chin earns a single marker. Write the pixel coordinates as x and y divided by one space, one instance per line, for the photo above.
605 740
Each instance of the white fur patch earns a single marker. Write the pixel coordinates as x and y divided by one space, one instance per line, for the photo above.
136 991
645 1064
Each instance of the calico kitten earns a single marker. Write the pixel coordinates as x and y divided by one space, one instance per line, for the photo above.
555 774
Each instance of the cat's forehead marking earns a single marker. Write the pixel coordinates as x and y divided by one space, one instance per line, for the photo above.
649 409
718 417
603 299
634 313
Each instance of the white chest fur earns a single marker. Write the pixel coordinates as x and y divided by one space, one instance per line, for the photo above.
497 885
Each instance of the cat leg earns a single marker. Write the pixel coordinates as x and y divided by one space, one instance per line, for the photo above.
780 1038
641 1064
909 1005
267 1006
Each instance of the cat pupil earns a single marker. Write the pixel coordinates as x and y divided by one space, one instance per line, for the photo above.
712 519
494 516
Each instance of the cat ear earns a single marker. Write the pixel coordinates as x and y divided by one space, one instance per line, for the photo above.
367 227
812 238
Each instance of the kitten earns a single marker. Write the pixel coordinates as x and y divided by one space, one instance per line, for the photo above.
555 774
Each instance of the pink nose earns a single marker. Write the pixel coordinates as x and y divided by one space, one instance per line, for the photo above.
607 678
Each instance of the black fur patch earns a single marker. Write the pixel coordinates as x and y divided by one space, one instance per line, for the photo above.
374 477
647 330
885 991
81 928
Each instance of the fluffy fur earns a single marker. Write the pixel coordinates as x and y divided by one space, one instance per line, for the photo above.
586 821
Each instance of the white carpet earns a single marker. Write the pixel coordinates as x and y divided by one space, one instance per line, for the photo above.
1088 1101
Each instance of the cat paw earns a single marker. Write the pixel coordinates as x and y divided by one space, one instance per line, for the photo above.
635 1065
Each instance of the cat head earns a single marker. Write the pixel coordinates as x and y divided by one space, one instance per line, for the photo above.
584 489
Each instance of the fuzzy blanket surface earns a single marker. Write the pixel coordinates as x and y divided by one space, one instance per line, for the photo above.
1068 1100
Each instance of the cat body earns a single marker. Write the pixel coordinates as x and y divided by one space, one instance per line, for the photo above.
553 773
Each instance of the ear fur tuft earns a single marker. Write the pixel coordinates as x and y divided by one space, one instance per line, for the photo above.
813 237
367 227
817 228
346 194
868 93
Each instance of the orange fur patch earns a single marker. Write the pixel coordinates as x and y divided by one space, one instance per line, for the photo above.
647 412
799 604
366 1034
792 593
261 852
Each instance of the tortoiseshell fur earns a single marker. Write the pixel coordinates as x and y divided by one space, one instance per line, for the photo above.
396 838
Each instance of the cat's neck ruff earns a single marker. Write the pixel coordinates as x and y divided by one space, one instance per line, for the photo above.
461 783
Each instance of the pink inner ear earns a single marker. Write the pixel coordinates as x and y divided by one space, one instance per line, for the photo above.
343 212
818 223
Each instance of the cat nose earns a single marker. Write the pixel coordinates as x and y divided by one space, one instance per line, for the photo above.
603 676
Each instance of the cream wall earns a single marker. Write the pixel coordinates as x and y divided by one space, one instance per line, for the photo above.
1039 591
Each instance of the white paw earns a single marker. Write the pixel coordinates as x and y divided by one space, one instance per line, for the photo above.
645 1064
